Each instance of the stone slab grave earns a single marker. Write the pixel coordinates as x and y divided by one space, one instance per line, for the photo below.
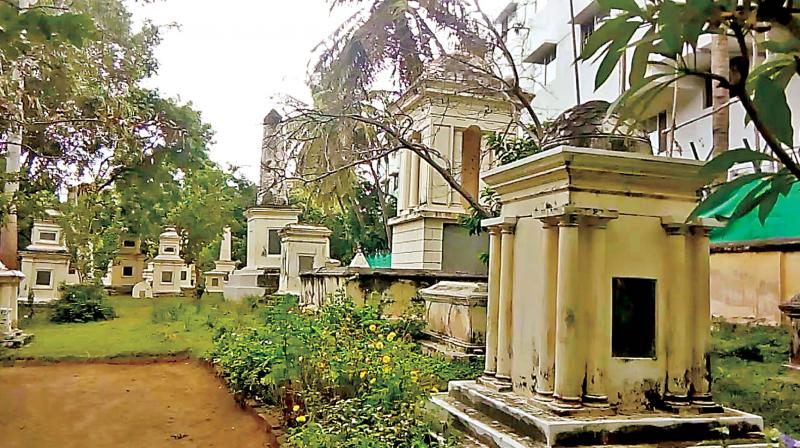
455 313
791 310
598 314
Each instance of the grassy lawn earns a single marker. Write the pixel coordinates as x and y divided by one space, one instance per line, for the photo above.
144 327
747 361
749 374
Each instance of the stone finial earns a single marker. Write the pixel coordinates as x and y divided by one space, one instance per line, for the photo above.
225 246
272 118
359 261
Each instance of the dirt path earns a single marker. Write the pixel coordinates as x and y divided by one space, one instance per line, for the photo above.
98 405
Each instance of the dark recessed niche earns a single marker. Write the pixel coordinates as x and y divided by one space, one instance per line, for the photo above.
633 330
274 243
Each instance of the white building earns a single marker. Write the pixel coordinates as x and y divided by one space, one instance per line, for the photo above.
540 34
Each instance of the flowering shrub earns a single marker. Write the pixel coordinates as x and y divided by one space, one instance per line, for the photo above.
343 376
82 303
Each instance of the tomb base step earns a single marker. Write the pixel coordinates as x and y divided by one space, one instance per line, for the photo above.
434 347
16 339
502 419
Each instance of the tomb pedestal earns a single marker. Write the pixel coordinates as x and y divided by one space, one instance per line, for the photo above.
303 249
216 279
168 265
598 314
792 311
45 262
261 275
10 336
455 313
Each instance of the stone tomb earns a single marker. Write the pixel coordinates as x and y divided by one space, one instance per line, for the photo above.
598 308
792 311
45 262
303 249
169 269
455 313
216 279
261 275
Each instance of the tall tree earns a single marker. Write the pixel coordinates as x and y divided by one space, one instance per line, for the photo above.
720 121
668 27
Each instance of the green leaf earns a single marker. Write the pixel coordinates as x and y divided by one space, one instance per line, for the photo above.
607 32
726 160
723 194
615 52
752 199
770 102
622 5
641 55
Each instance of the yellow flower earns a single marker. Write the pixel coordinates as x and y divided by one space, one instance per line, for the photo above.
373 327
372 381
387 369
435 390
363 374
301 419
295 408
415 373
379 345
390 337
414 379
386 359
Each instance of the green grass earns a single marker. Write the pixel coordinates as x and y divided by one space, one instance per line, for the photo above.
146 327
744 382
172 325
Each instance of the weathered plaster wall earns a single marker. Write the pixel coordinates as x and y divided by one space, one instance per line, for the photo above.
461 251
751 285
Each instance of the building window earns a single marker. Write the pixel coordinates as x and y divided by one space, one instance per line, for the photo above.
166 277
184 276
306 263
544 61
127 271
658 125
214 282
129 243
48 236
633 330
72 270
708 93
44 278
274 243
589 26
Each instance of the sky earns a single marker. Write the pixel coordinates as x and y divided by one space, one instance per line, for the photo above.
232 62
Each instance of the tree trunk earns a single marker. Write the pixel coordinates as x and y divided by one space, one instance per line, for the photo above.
382 202
720 120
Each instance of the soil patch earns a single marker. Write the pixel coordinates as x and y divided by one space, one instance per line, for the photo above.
178 404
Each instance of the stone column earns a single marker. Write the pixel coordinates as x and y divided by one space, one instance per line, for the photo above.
791 310
570 362
225 247
493 303
413 200
504 319
679 303
600 329
405 171
546 338
701 385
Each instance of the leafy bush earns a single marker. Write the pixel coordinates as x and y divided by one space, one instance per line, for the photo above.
82 303
343 376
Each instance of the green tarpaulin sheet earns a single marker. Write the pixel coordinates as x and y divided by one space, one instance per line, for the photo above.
782 223
380 261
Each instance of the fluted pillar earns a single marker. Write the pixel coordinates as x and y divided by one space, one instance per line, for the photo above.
504 319
701 384
546 332
405 183
600 318
493 302
413 200
570 362
680 330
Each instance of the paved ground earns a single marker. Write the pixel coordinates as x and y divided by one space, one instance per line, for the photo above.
99 405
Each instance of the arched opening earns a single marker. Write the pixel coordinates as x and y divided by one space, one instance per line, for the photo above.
471 162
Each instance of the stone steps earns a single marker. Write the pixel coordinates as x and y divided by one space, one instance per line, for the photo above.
483 431
505 420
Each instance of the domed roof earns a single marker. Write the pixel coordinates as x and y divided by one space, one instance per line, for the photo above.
168 233
587 125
